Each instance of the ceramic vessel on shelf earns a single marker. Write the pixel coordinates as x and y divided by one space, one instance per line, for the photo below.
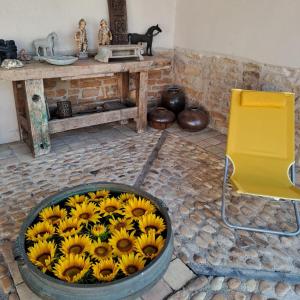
61 60
173 99
161 118
193 119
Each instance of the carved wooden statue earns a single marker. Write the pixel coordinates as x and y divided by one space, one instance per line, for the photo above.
81 40
104 34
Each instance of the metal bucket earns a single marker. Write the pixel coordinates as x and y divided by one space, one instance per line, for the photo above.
131 287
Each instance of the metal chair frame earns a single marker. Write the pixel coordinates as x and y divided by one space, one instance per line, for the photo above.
254 229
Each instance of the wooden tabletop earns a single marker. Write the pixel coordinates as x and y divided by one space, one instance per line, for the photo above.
41 70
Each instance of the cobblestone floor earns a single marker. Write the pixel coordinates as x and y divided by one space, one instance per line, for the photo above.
187 175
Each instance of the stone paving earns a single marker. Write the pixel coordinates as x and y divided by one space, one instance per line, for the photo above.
187 175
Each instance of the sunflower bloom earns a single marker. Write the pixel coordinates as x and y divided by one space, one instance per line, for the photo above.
136 208
105 270
69 227
40 231
122 242
118 224
110 206
53 214
86 212
149 246
42 255
72 268
77 199
100 250
152 222
125 197
99 195
131 263
77 245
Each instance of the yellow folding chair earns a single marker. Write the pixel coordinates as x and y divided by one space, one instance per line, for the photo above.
261 146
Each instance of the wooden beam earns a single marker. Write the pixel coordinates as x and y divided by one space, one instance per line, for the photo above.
92 119
37 113
24 123
87 76
142 98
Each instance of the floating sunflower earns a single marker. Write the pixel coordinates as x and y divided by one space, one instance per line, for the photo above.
72 268
105 270
149 246
110 206
40 231
86 212
136 208
100 250
42 255
131 263
98 230
152 222
122 242
118 224
79 244
53 214
99 195
77 199
125 197
69 227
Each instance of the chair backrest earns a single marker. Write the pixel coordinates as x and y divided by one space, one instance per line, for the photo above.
262 124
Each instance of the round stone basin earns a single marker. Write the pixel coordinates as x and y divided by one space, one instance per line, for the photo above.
131 287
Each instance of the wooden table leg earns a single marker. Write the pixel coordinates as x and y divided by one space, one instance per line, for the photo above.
38 118
142 99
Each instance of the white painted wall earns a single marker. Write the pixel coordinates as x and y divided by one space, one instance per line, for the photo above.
264 30
24 21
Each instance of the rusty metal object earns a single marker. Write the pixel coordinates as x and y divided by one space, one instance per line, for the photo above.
193 119
64 109
161 118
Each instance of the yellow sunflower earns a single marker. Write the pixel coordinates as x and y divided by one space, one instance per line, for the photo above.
53 214
98 230
86 212
79 244
69 227
100 250
99 195
149 246
125 197
72 268
118 224
105 270
77 199
136 208
40 231
152 222
42 255
110 206
122 242
131 263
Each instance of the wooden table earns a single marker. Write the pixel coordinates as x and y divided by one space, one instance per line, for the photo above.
35 129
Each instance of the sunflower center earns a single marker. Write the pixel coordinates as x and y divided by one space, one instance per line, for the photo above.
131 269
138 212
53 219
68 229
150 250
84 216
43 257
76 249
106 272
110 209
72 271
120 225
124 245
101 251
148 228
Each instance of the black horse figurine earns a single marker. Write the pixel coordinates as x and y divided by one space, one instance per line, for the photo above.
135 38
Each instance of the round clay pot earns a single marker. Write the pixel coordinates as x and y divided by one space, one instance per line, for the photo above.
173 99
161 118
193 119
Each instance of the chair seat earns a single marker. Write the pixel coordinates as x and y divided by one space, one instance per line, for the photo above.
263 176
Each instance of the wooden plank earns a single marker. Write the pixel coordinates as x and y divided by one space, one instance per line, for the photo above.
142 98
123 85
19 107
92 119
24 123
88 76
37 113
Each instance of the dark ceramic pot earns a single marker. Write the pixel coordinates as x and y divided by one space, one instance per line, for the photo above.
193 119
161 118
173 99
